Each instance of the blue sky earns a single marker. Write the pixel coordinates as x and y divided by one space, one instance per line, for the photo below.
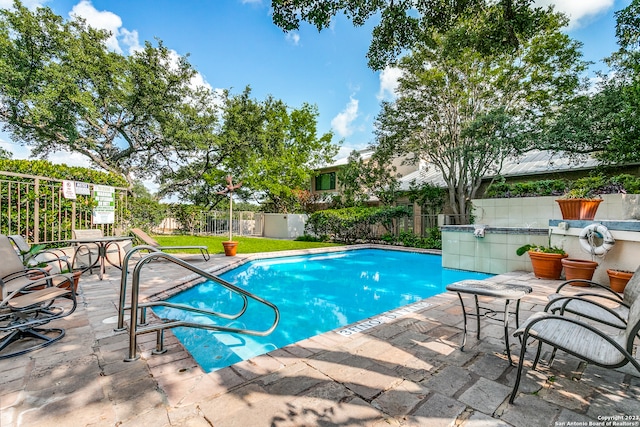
234 43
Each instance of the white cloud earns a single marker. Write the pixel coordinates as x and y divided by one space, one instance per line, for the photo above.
389 82
109 21
130 38
578 10
293 37
342 123
60 157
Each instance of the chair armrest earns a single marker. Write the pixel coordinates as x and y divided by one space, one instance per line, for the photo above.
589 282
565 301
54 280
54 256
24 273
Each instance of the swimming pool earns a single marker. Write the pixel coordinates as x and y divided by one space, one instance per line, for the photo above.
314 293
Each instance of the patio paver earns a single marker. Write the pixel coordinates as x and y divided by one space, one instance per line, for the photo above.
408 372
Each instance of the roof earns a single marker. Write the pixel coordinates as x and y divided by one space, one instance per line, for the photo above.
532 163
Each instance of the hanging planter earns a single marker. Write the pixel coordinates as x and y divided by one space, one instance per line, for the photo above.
618 279
579 269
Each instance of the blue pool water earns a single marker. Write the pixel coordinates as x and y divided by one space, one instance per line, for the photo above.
314 293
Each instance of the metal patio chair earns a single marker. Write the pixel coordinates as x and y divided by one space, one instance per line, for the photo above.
32 257
582 340
590 304
148 240
31 298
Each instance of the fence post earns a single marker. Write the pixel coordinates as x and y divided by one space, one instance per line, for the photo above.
36 212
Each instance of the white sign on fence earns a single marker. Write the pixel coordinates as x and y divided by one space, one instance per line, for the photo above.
69 190
104 212
82 188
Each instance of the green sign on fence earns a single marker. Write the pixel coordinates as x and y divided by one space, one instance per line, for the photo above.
104 212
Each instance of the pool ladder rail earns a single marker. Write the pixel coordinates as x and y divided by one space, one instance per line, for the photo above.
139 326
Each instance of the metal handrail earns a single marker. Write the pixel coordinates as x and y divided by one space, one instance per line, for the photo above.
125 273
123 282
135 329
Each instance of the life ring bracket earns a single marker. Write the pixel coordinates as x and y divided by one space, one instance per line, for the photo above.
588 236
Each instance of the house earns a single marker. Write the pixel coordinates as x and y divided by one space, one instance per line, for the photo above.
535 164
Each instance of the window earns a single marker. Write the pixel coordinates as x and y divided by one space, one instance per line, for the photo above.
326 181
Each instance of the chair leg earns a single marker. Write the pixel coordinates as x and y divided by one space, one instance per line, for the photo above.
464 317
535 361
523 350
35 333
553 356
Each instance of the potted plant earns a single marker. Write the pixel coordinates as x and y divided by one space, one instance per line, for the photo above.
545 260
579 269
579 203
618 279
230 246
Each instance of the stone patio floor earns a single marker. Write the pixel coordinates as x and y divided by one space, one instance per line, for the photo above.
407 372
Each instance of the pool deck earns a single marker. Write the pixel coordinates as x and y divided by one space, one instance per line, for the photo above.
406 372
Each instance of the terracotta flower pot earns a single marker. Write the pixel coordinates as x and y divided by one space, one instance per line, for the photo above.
579 269
618 279
230 247
76 280
545 265
579 208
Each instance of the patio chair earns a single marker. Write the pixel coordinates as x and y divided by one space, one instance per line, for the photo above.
33 256
590 305
24 312
14 275
29 302
148 240
582 340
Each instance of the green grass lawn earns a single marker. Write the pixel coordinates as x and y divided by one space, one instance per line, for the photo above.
246 245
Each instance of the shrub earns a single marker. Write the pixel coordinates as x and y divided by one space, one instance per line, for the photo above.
309 238
354 224
584 187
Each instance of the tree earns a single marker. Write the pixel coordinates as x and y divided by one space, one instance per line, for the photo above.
292 151
402 22
464 112
270 147
146 211
605 122
361 179
62 89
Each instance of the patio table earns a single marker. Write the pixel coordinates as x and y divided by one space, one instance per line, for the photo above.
504 291
102 244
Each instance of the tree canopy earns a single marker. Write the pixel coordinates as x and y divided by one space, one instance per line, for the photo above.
605 122
270 147
402 22
360 179
62 89
141 116
463 112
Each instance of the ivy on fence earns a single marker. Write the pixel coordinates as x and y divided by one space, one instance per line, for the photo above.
32 204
